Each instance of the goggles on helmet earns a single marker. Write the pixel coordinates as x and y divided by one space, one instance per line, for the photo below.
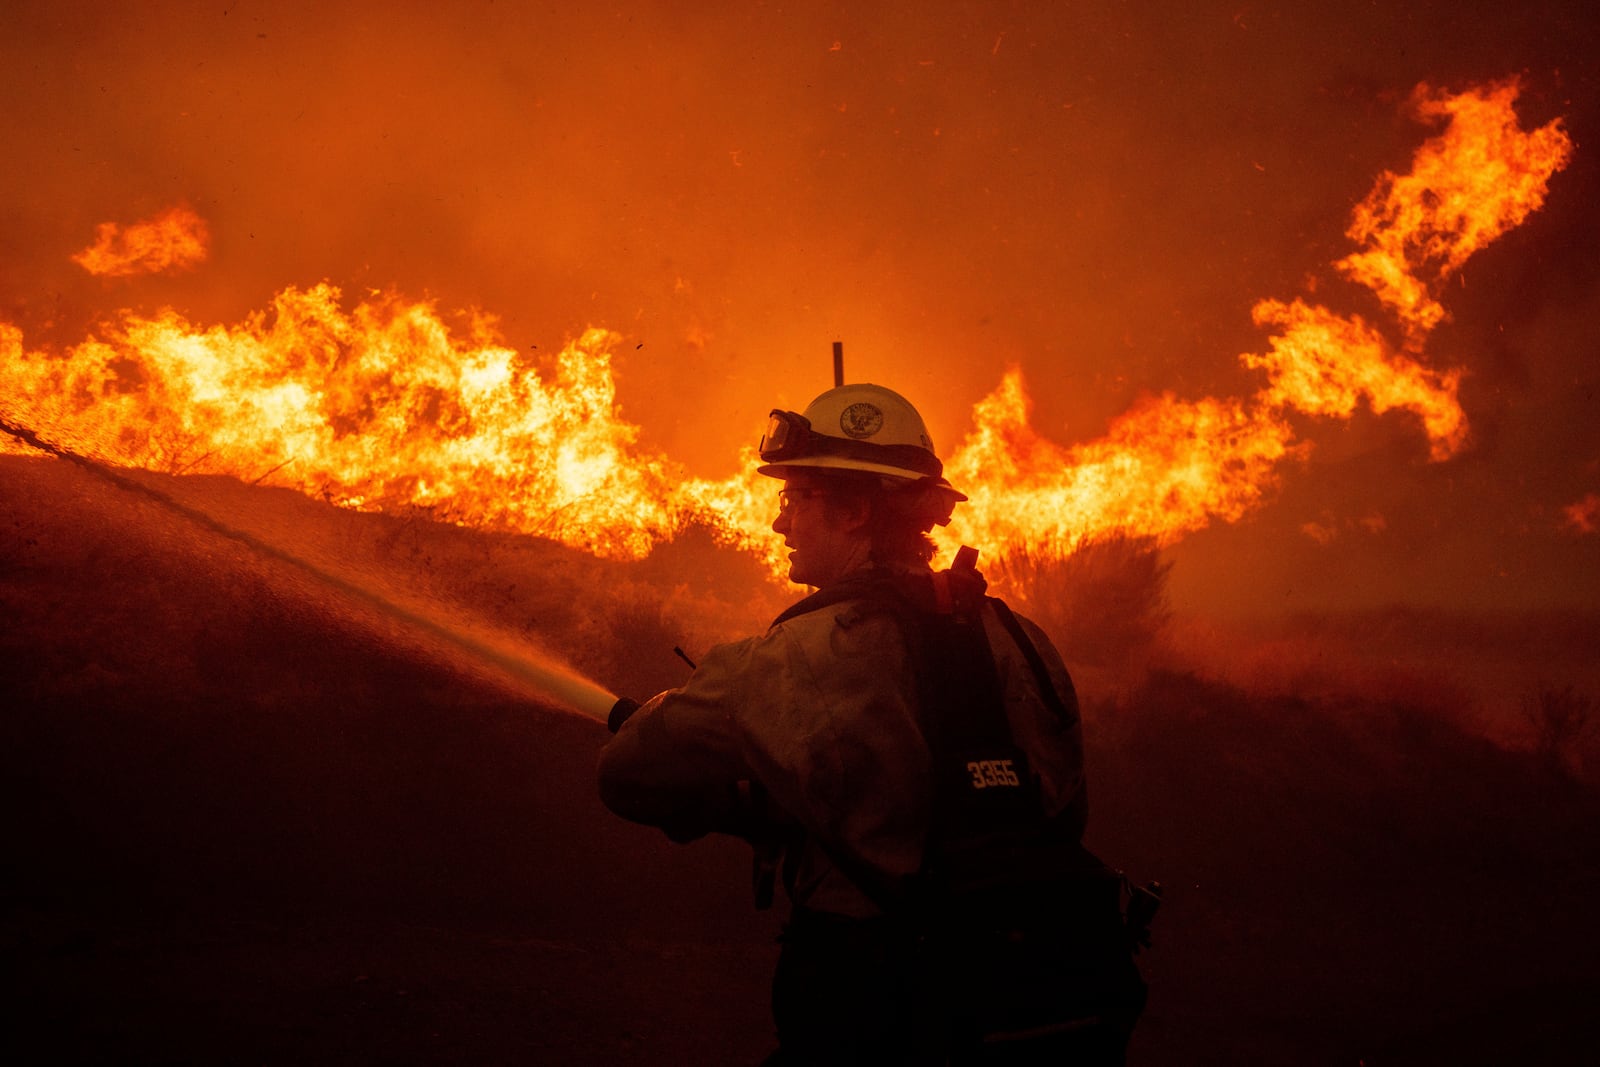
789 436
786 437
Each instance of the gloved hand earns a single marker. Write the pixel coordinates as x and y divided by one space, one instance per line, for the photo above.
621 712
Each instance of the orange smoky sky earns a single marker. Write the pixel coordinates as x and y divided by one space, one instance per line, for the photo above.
1097 194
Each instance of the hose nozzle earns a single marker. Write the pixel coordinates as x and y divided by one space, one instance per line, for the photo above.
621 712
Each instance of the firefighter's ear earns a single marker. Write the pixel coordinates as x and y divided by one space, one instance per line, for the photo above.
853 512
928 503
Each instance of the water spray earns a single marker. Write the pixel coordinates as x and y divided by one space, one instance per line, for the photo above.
559 684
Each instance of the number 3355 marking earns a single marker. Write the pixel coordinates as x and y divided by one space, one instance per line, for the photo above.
992 772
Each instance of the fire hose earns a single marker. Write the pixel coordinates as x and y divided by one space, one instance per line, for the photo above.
559 684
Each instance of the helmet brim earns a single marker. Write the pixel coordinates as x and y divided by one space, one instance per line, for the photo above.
783 468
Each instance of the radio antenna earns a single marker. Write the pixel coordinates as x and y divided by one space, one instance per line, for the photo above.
838 364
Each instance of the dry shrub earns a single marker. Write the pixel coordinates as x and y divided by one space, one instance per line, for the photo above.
1562 720
1104 605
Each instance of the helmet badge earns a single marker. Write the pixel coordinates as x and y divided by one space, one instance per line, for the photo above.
861 420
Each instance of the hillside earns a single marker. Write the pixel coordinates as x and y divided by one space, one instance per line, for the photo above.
253 815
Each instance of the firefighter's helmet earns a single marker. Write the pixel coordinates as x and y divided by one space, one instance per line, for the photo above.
864 428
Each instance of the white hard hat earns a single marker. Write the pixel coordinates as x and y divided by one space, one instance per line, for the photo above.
860 427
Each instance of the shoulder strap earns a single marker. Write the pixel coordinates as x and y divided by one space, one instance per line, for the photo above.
1030 652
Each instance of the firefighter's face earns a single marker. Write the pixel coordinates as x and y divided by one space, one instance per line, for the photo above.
824 530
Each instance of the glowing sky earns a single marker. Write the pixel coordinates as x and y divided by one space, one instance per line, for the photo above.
1097 193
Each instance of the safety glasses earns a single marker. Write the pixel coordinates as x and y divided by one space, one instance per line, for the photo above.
788 496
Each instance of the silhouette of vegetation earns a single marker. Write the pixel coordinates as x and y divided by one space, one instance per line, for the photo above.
229 797
1561 719
1104 606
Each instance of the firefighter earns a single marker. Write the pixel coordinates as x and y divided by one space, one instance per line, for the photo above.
907 752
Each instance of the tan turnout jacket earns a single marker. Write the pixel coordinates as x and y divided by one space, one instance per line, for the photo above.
821 712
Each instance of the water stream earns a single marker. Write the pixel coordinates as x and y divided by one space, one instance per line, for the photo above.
555 683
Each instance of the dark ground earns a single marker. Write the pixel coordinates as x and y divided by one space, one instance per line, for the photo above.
250 820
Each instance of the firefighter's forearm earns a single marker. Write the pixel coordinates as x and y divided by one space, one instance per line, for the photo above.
646 777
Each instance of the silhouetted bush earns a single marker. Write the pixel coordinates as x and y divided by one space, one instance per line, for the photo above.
1104 605
1561 719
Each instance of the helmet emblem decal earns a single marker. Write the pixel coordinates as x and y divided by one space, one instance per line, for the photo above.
861 420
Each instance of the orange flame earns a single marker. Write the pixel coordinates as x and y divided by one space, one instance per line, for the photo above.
378 407
1166 468
1325 363
175 239
1479 178
1170 467
388 405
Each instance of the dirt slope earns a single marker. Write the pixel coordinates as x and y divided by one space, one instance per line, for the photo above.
250 817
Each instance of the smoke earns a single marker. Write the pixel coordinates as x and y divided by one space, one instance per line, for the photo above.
1523 680
1095 194
1583 516
428 415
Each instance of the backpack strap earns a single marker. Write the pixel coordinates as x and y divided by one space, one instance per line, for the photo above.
1030 652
